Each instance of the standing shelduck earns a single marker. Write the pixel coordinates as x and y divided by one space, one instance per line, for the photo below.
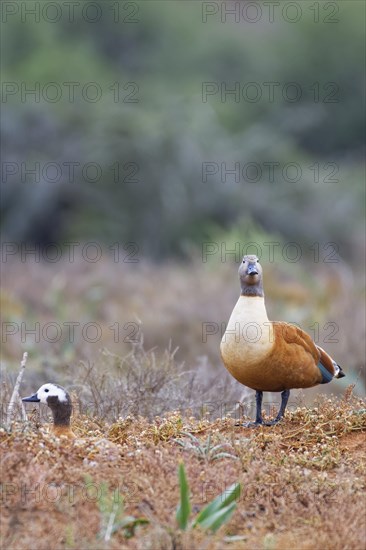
59 401
270 356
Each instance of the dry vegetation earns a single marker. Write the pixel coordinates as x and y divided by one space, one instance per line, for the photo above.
302 481
170 304
139 411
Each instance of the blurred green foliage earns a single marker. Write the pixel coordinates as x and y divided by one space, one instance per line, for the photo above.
162 140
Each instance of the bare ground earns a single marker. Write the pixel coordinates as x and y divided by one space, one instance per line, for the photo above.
302 482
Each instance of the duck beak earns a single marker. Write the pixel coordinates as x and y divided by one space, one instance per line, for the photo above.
252 270
32 398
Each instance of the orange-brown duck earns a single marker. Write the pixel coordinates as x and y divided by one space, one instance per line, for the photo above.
270 356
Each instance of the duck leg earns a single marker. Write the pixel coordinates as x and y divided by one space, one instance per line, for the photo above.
284 399
258 414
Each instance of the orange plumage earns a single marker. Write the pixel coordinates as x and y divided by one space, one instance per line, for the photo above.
270 356
64 431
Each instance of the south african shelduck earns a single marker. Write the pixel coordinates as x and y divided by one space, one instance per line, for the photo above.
59 401
270 356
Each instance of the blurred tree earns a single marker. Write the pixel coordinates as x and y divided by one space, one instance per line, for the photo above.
160 142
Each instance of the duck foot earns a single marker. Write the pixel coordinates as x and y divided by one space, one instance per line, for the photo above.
258 416
252 424
273 422
284 399
259 420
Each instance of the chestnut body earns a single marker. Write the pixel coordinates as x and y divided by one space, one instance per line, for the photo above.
266 355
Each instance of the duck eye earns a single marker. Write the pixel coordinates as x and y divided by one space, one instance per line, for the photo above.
46 390
243 261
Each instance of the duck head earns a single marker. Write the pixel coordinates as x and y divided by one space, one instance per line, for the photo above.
58 400
250 274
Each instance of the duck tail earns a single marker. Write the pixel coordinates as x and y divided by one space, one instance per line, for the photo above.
338 371
329 368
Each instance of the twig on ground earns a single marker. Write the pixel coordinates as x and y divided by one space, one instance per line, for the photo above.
15 394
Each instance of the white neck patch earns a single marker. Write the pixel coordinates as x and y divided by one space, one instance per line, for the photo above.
51 390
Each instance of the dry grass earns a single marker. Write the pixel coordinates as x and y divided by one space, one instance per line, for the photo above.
146 383
170 303
142 383
302 480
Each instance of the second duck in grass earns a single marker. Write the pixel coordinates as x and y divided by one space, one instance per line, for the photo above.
270 356
59 401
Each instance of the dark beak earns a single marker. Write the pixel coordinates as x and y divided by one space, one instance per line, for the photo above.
32 398
252 270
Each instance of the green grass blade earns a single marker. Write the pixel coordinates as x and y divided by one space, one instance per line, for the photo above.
214 521
192 437
221 501
224 455
218 447
184 507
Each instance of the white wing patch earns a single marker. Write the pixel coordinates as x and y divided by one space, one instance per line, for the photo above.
336 369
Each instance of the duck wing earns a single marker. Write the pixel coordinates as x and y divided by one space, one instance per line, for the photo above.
291 334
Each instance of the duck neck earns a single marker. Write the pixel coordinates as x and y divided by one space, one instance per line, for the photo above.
252 290
252 309
62 414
